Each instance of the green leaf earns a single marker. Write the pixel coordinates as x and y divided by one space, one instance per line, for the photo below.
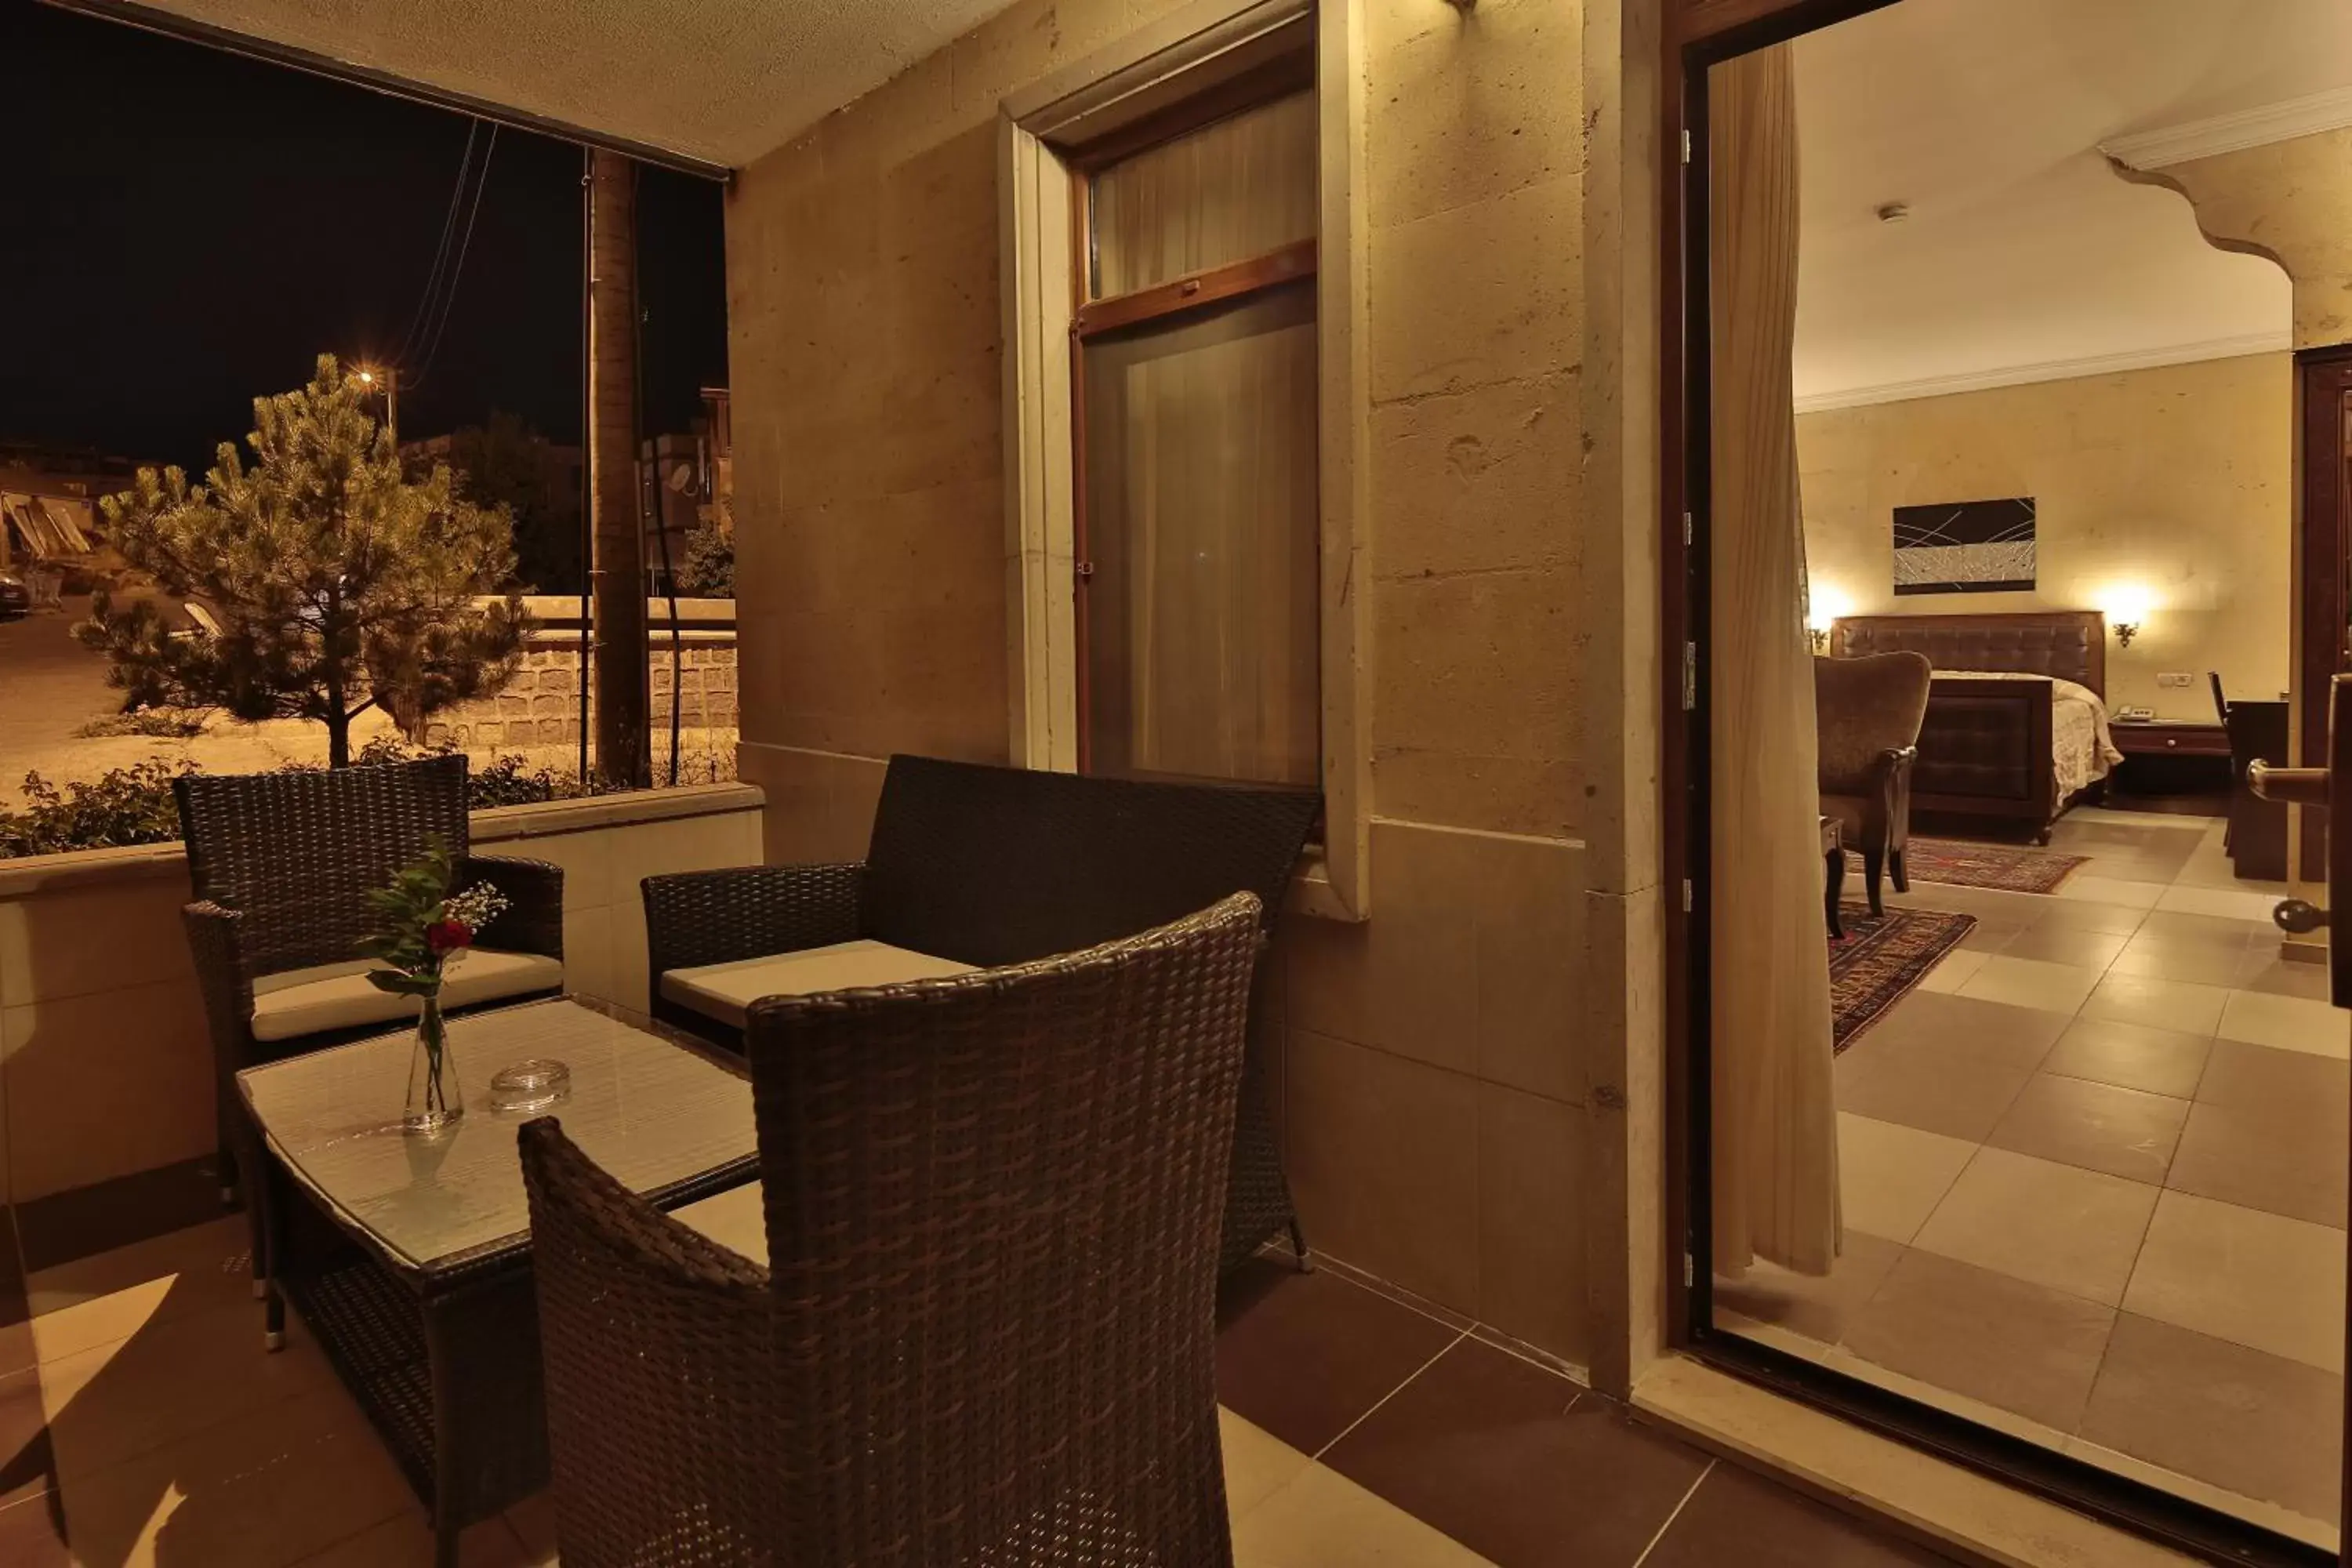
404 985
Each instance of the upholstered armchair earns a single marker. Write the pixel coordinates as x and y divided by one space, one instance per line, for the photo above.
1868 710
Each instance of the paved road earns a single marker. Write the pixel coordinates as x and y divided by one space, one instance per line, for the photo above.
49 684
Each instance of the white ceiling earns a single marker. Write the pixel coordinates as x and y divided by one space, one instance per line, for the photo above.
722 80
2024 255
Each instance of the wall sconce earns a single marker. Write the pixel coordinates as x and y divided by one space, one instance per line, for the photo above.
1464 7
2126 612
1826 604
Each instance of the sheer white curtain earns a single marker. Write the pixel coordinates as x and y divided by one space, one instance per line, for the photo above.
1775 1169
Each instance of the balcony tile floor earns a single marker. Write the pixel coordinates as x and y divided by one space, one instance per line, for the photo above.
2093 1180
142 1423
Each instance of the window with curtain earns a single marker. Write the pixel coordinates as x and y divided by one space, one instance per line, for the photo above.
1194 365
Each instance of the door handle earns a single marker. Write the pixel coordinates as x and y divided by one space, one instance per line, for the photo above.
2290 786
2299 917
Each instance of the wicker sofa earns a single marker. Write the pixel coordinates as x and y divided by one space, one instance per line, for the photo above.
978 867
282 863
981 1331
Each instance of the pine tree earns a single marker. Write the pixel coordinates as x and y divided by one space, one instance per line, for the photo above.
337 583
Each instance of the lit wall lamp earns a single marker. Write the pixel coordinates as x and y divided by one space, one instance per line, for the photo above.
1822 610
2127 611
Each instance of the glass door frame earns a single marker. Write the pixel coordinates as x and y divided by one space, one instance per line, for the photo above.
1697 35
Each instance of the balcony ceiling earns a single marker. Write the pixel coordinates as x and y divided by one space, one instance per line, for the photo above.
2023 255
718 80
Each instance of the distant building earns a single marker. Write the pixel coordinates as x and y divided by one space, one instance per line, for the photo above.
539 480
48 505
688 480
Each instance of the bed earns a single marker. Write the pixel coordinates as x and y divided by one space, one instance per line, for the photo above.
2017 720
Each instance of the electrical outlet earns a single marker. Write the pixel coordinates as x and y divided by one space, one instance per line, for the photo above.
2175 679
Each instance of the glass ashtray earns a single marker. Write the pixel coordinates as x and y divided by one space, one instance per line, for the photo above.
532 1085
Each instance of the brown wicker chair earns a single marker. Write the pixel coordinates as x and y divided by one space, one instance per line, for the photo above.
992 1204
991 866
281 863
1868 709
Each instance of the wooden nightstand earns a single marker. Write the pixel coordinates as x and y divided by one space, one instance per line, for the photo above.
2169 737
2172 757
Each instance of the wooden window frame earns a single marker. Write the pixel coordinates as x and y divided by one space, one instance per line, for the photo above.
1178 296
1200 63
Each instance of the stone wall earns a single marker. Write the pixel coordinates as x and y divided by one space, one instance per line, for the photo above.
1432 1073
541 707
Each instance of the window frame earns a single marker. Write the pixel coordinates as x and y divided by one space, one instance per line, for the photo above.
1098 315
1201 63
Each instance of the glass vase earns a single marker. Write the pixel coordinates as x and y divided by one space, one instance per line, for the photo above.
435 1102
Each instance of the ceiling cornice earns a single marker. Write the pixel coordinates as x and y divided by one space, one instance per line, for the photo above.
2280 341
2235 132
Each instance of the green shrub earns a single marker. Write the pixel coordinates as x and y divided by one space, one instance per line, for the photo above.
133 804
122 805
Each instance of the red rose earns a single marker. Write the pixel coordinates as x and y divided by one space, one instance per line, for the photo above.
449 936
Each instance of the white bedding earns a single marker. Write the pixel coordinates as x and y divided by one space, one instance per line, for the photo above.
2082 747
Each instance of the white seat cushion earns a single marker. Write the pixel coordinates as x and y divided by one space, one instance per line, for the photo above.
722 991
326 996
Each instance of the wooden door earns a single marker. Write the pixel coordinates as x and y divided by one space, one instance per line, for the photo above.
2326 387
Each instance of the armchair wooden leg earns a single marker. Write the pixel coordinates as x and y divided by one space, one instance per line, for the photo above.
1873 865
1895 869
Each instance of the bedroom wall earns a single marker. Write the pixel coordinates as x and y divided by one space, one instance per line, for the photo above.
2177 479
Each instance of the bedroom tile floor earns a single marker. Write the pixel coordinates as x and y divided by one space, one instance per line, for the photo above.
2093 1179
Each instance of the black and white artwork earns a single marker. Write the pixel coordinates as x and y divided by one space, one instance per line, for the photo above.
1967 547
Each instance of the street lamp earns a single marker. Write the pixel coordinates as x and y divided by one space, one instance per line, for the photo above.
387 381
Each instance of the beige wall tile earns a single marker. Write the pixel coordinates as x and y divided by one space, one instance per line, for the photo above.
1383 1161
1470 963
1531 1220
586 859
1475 110
74 941
1477 481
1528 905
588 961
820 807
1487 292
106 1084
1477 701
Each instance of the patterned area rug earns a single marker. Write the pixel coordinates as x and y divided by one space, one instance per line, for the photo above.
2012 868
1882 958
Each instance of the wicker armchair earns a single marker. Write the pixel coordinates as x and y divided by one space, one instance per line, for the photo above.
988 866
992 1204
281 865
1868 709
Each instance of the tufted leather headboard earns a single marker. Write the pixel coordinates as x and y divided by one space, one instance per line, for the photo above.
2069 644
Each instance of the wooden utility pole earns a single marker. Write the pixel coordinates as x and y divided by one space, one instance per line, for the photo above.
623 702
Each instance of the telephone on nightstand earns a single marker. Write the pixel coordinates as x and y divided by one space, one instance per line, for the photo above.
2130 715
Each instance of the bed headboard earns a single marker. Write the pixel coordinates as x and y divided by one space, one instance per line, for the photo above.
2069 644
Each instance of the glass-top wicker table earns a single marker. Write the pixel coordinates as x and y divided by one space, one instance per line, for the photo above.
409 1259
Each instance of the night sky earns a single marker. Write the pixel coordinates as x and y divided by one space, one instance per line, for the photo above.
182 229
